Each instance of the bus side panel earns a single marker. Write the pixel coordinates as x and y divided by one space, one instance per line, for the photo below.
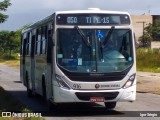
49 82
40 71
28 70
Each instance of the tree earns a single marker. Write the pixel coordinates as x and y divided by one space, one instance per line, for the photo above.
7 41
4 36
3 7
145 41
10 41
156 30
153 30
151 33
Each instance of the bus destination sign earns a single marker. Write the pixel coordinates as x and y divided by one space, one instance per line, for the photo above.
93 19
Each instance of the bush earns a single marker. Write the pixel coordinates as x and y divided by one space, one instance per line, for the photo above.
148 59
14 56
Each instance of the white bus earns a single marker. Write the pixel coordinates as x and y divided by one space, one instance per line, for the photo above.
80 56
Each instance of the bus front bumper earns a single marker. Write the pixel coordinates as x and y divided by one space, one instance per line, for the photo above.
62 95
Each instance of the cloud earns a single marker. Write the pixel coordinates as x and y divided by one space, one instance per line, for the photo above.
26 11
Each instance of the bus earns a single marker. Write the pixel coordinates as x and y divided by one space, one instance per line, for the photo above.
80 56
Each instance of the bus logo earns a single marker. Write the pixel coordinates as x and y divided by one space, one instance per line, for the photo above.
97 86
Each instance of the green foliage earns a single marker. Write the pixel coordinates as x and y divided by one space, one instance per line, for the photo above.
3 7
14 56
152 31
156 30
145 41
148 59
10 41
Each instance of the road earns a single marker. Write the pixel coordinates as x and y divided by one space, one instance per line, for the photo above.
146 103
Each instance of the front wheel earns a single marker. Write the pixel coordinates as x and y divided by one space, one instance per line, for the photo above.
110 105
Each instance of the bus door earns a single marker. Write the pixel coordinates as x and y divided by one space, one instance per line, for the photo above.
49 55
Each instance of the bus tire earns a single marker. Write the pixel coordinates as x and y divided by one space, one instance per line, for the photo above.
110 105
29 91
44 88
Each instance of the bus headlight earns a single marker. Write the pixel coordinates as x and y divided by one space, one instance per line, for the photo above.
129 81
61 82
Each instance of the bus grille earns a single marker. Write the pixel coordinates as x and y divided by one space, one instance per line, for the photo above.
88 95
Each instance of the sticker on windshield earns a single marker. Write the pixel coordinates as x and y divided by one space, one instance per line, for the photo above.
60 56
129 58
100 34
79 61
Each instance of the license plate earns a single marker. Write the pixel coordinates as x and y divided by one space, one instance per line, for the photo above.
97 99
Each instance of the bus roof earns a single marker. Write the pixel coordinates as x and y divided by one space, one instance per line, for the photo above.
89 10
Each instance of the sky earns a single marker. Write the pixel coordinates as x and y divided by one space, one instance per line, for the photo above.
23 12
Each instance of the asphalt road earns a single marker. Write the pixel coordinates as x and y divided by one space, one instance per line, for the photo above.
145 104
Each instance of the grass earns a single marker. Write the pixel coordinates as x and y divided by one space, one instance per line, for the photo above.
148 60
12 63
12 60
9 103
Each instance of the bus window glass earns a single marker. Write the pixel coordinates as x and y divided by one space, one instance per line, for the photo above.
39 41
27 44
74 54
44 37
36 45
30 38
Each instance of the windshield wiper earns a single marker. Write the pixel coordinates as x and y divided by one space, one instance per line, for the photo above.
107 37
85 39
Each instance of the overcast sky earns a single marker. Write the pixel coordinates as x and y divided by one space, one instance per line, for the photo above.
28 11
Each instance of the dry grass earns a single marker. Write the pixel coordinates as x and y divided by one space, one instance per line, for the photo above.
146 86
12 63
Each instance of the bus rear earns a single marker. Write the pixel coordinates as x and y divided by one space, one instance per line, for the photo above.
94 57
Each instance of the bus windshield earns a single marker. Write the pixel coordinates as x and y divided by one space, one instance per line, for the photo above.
94 50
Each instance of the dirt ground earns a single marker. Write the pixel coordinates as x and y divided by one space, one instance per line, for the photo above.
148 82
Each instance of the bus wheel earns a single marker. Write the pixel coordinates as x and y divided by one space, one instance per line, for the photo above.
29 91
110 105
44 88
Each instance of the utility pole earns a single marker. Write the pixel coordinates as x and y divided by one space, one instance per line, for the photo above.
143 41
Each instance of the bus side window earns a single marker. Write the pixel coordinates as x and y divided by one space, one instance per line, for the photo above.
36 44
44 38
32 45
38 41
21 49
27 44
24 46
41 40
